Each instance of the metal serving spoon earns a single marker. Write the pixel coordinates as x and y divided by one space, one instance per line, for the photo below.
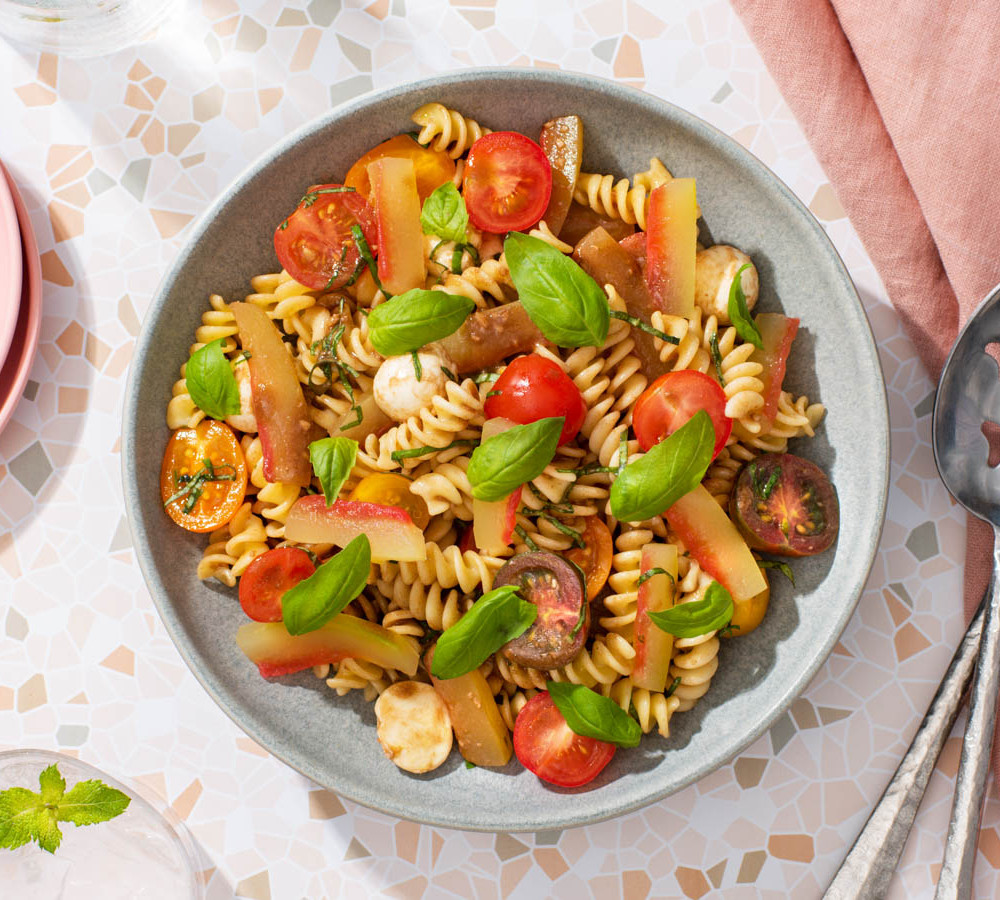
968 395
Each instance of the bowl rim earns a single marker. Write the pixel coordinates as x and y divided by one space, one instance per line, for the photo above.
435 815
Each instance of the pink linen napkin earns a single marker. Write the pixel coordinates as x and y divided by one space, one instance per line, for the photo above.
900 101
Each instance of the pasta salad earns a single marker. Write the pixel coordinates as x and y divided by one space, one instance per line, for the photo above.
500 447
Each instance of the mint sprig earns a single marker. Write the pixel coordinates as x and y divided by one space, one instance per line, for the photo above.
26 816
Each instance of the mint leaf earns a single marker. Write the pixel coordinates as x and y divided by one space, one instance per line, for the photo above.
19 816
211 382
332 460
90 802
416 318
567 305
495 618
668 471
47 834
317 599
52 783
444 214
739 312
502 463
687 620
592 715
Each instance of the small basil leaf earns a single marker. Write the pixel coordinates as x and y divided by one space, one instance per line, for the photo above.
494 619
592 715
211 382
317 599
416 318
739 312
688 620
332 459
560 298
504 462
444 214
671 469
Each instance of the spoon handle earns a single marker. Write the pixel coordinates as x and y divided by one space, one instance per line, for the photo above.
955 881
868 868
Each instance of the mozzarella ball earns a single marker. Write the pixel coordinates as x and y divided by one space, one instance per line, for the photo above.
715 269
413 726
399 394
243 420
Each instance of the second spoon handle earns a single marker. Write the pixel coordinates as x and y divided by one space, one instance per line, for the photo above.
868 868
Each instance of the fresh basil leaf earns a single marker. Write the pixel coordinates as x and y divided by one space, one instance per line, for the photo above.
444 214
688 620
504 462
592 715
739 312
317 599
668 471
332 460
416 318
560 298
494 619
211 382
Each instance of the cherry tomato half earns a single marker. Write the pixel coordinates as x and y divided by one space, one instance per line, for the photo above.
392 490
594 557
532 388
208 494
508 182
545 745
266 579
672 400
432 167
315 244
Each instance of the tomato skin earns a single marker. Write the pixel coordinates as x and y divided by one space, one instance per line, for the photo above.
433 167
508 182
594 557
268 577
184 455
545 745
532 388
672 399
389 489
315 245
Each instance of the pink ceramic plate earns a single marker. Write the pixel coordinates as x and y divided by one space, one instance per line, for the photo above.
10 269
28 307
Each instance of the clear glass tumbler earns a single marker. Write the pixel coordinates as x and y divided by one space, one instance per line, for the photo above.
81 27
143 854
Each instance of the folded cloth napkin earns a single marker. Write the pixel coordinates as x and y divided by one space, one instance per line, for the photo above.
899 101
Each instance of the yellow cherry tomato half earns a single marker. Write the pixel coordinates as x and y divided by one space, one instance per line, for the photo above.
392 490
203 477
748 614
432 167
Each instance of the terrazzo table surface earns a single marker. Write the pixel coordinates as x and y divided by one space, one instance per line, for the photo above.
115 157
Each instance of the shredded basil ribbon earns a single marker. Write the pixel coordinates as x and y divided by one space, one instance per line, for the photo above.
332 459
211 382
739 312
782 567
659 478
495 618
416 318
507 460
590 714
317 599
698 617
566 304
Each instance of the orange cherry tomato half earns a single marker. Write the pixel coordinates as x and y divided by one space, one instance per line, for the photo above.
432 167
266 579
532 388
672 400
205 466
594 557
315 244
392 490
508 182
546 745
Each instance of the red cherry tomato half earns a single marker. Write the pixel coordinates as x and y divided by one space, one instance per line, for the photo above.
545 745
508 182
672 400
315 244
268 577
532 388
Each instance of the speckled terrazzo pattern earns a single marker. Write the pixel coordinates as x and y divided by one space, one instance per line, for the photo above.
135 147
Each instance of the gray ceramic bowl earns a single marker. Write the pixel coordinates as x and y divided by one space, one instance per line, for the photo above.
332 740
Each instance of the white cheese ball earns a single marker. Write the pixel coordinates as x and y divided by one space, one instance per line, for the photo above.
715 269
413 726
243 420
399 394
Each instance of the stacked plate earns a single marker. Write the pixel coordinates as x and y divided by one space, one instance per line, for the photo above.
20 296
